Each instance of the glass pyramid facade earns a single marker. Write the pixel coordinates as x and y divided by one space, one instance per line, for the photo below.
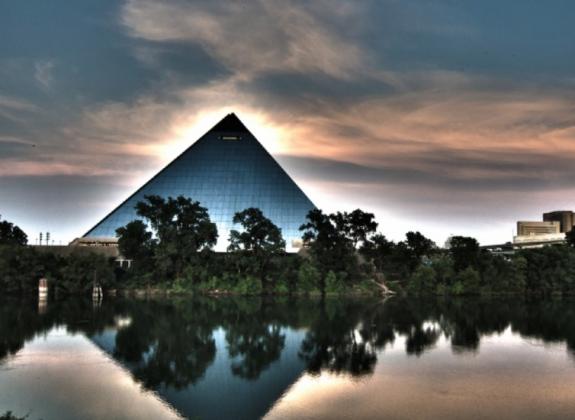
226 170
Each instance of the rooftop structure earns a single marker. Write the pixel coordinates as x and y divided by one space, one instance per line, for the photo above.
565 217
227 170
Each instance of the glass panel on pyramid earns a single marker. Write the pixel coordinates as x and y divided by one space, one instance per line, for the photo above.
226 170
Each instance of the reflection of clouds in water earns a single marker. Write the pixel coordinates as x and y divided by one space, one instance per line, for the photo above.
509 375
239 357
59 375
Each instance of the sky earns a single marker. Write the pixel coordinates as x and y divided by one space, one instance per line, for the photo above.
451 117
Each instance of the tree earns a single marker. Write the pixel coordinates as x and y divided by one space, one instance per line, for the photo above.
378 249
21 267
135 243
11 234
419 245
465 252
422 281
260 239
80 270
329 246
357 226
183 229
398 260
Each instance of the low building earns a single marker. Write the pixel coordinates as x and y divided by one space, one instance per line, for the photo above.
537 228
531 234
96 242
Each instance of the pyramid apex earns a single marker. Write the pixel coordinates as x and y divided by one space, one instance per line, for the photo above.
230 123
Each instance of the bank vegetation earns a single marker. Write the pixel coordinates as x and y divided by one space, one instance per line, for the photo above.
171 249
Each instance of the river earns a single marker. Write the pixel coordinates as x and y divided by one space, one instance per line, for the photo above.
248 358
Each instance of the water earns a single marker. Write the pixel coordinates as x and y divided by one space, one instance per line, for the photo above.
238 358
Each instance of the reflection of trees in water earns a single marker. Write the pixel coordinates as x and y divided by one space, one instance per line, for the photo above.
334 343
18 324
256 345
254 335
171 343
20 321
165 346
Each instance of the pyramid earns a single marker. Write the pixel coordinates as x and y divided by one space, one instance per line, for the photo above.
226 170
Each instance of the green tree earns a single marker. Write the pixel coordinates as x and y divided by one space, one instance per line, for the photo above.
80 270
260 240
135 242
11 234
465 252
423 281
357 226
328 244
418 245
399 260
334 283
309 277
183 230
466 282
20 269
378 250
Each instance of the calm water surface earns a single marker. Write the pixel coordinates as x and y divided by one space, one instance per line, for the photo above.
287 359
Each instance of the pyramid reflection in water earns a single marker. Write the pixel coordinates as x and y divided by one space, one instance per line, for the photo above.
226 170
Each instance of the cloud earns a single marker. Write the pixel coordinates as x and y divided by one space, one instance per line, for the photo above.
250 37
526 172
411 109
15 110
43 73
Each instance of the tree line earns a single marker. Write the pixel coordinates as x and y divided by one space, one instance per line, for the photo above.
171 247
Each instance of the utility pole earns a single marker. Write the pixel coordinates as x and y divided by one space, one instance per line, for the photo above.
40 238
47 238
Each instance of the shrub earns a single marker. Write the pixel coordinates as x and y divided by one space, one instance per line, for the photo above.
422 281
281 288
309 277
467 282
248 285
334 283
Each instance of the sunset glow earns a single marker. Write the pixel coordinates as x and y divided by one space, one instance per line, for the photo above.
393 115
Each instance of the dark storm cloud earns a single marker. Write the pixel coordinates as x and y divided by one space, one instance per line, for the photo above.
526 172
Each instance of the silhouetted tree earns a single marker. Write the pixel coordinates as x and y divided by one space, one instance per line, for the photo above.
135 240
465 252
357 226
183 229
329 246
378 250
259 241
11 234
419 245
135 243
